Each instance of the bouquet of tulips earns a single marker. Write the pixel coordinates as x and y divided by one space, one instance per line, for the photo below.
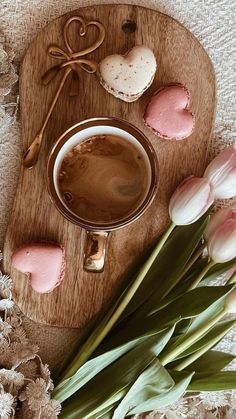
155 342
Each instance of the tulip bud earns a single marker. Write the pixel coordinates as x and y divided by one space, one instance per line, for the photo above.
191 200
222 243
231 302
221 172
217 219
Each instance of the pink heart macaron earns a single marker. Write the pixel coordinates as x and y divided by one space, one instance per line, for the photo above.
168 115
43 263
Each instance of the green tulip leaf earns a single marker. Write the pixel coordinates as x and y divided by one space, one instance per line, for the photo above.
190 304
210 339
182 287
105 413
225 380
163 275
194 271
190 277
152 382
199 327
91 368
111 384
213 310
211 362
217 270
182 327
182 382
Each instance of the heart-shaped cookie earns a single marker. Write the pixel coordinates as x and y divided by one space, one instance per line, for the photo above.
128 76
168 114
43 263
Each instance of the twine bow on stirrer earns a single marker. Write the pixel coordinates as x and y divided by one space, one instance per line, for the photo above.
71 62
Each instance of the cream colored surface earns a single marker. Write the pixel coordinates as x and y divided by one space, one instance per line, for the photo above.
214 25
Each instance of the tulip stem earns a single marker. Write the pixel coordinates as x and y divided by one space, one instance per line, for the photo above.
195 257
232 279
210 264
188 266
193 357
179 347
113 314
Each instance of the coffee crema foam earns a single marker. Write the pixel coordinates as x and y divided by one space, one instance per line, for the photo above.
103 178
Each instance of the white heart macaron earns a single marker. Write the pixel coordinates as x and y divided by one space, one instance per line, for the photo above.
128 76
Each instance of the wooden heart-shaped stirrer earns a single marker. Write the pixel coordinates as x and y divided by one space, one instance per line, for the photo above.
71 61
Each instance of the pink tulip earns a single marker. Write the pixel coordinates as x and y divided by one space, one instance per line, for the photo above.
218 219
222 174
191 200
222 240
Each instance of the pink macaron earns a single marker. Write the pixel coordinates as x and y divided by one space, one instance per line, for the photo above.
43 263
167 113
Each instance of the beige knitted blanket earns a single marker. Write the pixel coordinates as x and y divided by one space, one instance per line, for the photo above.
214 24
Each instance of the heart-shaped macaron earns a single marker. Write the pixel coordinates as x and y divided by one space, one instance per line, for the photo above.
168 114
43 263
128 76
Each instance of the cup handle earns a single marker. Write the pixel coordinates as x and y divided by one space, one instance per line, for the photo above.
95 250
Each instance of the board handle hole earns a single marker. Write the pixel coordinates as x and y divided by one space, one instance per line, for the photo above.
129 26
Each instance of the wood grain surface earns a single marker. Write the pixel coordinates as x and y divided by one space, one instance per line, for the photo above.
181 59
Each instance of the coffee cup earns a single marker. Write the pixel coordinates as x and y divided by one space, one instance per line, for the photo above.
125 166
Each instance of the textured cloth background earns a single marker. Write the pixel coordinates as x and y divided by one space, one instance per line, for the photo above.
212 21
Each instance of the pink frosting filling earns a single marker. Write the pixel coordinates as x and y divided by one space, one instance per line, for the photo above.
43 263
167 113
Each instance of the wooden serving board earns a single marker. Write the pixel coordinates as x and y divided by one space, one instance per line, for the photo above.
181 59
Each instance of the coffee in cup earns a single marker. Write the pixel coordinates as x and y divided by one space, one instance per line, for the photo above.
104 178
